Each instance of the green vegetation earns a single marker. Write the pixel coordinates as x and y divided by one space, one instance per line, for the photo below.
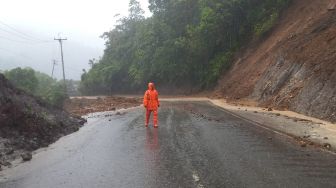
38 84
185 43
24 79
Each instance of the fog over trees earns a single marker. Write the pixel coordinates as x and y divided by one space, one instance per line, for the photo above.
29 39
185 44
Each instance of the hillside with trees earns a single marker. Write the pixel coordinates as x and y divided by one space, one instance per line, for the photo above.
183 47
41 85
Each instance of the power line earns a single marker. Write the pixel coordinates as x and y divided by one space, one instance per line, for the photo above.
23 42
20 34
12 33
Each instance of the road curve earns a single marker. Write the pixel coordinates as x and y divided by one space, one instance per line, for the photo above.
196 145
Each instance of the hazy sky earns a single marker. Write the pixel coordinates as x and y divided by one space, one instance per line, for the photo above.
81 21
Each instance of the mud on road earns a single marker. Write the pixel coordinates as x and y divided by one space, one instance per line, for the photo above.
84 105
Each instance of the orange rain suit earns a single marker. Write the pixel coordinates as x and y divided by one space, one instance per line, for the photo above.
151 103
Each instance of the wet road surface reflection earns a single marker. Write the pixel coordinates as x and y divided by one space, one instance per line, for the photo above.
209 149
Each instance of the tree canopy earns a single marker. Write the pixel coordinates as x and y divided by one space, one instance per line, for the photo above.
184 44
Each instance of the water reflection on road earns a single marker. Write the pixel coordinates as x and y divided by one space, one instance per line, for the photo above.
185 151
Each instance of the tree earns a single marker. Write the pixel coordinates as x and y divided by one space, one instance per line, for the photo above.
135 10
23 78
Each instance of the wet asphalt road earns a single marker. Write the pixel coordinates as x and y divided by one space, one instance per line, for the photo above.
196 145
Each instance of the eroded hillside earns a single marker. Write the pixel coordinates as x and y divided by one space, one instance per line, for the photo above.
28 123
294 67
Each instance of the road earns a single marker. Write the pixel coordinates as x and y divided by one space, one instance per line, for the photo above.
196 145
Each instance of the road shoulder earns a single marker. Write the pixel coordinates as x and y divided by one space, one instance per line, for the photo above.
307 131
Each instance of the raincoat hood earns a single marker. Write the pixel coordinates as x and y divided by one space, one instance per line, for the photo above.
151 86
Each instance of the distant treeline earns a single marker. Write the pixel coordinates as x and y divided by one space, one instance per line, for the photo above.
184 44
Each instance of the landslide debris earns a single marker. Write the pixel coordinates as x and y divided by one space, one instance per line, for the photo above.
28 123
84 105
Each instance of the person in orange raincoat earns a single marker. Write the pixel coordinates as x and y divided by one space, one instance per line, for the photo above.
151 103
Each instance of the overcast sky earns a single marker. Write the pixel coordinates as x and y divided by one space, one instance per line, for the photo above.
81 21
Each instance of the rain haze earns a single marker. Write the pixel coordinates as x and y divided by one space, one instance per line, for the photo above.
178 93
28 28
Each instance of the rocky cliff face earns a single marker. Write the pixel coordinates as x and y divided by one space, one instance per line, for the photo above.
294 67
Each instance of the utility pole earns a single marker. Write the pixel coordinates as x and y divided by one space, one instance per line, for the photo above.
52 73
60 40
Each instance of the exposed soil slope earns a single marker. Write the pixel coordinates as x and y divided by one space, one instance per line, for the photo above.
294 67
27 123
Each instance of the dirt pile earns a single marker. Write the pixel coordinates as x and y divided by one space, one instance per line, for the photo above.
27 123
294 67
84 105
